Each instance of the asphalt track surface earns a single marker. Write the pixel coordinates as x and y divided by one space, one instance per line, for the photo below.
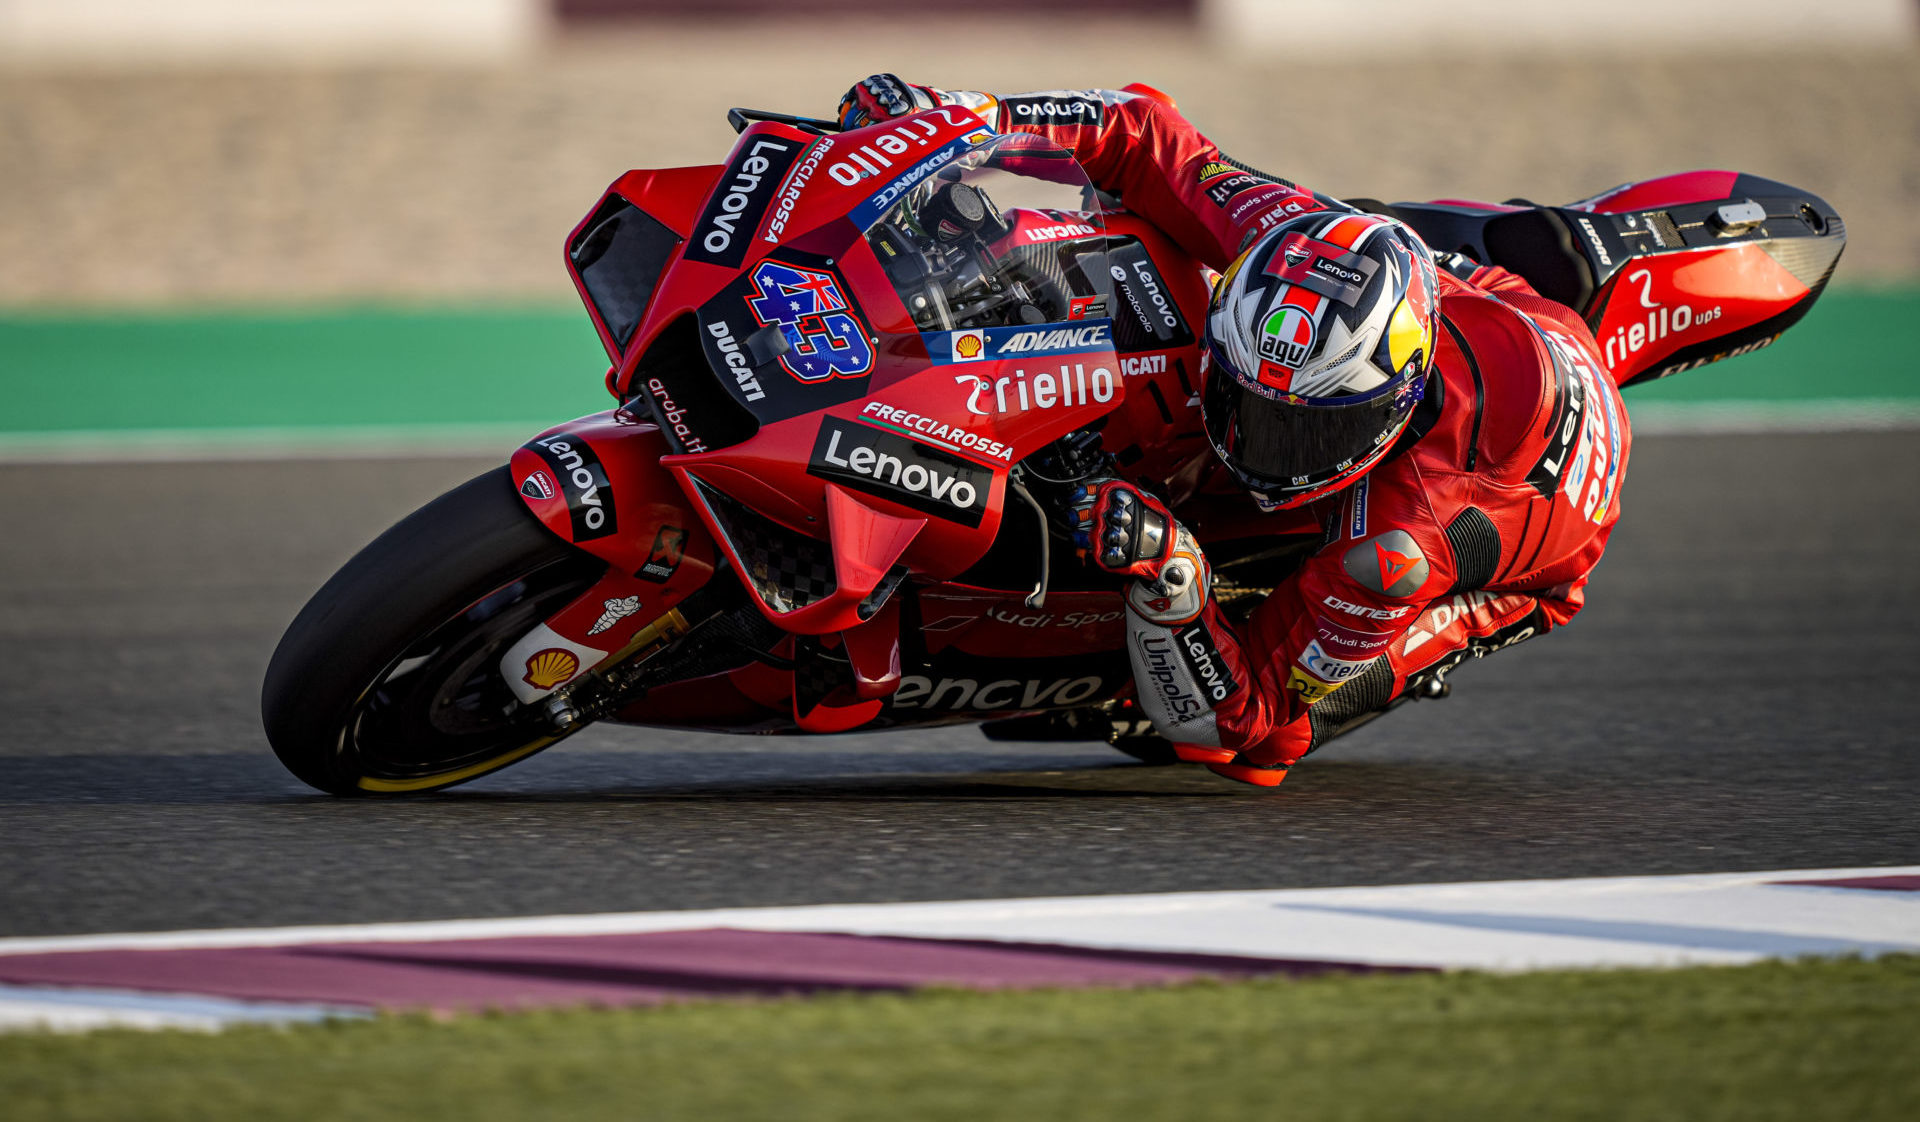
1739 695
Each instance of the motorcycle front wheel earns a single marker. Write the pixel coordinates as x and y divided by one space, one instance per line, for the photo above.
387 682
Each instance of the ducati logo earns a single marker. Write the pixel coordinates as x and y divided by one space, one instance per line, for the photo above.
539 485
1294 255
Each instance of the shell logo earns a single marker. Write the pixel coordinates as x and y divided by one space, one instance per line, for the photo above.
549 668
968 345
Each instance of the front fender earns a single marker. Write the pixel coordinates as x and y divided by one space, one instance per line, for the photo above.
597 482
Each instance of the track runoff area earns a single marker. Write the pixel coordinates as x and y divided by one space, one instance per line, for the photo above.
1473 969
344 383
212 979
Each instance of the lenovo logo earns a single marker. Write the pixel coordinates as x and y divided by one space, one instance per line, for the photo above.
740 201
892 467
589 498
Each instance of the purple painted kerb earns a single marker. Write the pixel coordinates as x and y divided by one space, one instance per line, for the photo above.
640 969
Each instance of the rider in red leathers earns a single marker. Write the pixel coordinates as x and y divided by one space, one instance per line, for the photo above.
1454 434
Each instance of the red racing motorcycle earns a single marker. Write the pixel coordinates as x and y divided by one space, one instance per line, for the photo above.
858 373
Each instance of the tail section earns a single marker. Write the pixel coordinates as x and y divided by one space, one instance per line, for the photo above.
1670 273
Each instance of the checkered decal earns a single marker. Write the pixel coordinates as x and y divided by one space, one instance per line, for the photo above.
817 672
881 591
787 571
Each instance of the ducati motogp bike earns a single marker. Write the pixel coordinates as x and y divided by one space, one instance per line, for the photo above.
854 376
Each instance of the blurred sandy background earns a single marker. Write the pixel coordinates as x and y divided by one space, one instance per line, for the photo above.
247 180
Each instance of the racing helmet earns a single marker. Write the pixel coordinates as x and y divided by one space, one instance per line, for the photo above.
1319 341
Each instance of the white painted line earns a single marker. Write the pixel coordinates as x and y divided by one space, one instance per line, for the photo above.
1501 925
61 1009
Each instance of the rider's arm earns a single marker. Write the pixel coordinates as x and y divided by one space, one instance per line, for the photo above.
1314 638
1321 631
1136 145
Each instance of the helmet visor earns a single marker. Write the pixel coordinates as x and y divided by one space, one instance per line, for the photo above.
1290 448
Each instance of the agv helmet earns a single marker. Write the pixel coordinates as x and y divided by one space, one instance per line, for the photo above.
1319 341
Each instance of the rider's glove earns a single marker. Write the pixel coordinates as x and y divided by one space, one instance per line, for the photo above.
1128 532
1121 528
882 98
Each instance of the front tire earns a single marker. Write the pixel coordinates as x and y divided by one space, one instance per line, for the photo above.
387 681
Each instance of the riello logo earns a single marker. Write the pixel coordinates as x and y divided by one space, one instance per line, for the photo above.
1658 321
1017 393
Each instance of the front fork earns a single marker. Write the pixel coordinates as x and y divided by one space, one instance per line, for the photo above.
597 483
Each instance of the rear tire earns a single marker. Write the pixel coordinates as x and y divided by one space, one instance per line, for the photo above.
387 681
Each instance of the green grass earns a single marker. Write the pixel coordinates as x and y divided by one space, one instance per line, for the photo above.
317 368
327 369
1854 344
1801 1041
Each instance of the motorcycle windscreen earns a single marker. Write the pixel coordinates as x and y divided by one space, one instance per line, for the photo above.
964 266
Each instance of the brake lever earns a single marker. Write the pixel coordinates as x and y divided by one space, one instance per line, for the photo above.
1038 597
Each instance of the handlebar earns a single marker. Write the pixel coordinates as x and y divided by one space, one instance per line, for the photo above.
741 118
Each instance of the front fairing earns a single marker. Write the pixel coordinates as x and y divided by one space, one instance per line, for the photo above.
843 393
